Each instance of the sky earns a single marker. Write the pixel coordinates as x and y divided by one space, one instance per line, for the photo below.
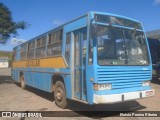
44 15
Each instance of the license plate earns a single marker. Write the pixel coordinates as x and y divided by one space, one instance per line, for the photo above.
149 93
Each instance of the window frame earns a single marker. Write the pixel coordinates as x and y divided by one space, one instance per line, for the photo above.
41 46
23 50
51 45
31 49
68 40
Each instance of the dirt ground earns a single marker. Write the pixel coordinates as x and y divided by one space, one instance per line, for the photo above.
13 98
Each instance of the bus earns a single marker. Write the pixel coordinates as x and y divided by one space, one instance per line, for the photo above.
154 46
98 58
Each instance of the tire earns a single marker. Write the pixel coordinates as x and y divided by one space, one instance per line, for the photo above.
60 95
22 83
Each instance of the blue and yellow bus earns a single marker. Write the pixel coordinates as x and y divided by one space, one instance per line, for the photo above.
98 58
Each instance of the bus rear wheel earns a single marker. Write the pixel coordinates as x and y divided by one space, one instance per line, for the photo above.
60 95
22 83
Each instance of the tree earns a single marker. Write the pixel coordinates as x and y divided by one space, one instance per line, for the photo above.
7 26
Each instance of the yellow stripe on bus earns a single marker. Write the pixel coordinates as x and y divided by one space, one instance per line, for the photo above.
57 62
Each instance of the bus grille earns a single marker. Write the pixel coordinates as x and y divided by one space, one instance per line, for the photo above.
123 78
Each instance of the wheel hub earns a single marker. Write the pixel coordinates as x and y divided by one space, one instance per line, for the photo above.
59 95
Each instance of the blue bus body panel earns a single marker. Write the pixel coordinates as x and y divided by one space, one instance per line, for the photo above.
123 79
41 80
76 25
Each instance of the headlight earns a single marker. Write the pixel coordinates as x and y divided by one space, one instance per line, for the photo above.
146 83
102 86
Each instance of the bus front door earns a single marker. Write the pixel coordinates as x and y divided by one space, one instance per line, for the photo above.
80 38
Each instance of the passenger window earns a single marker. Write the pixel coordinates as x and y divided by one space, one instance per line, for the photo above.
30 52
23 52
54 47
41 47
68 48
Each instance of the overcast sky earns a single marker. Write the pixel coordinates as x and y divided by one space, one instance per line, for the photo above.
43 15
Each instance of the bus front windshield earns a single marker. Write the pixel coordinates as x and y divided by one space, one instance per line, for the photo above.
119 46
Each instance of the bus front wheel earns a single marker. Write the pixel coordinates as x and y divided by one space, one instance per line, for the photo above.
60 95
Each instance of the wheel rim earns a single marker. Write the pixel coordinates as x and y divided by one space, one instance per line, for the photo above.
59 94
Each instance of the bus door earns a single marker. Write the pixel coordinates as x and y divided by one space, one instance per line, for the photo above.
80 40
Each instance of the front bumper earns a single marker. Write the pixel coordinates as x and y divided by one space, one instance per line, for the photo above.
112 98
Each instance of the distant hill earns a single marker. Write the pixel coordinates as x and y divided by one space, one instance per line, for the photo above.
155 34
6 54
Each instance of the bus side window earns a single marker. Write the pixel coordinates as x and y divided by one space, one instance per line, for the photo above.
67 49
41 47
23 52
54 47
30 52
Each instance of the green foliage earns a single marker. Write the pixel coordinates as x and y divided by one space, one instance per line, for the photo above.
7 26
6 54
